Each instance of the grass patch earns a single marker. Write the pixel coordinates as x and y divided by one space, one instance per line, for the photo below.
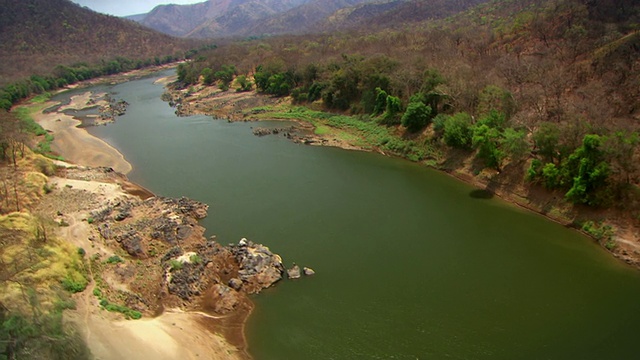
176 265
126 311
25 114
322 130
39 99
601 232
365 133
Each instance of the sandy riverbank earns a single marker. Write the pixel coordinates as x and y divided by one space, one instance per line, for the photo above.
75 144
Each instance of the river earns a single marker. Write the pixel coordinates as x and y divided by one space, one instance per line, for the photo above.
410 264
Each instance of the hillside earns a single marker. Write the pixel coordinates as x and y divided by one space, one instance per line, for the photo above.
392 13
301 19
213 18
37 35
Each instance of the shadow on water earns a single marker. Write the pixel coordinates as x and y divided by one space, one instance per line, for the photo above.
481 194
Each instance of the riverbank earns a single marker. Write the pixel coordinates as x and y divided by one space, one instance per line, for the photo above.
616 230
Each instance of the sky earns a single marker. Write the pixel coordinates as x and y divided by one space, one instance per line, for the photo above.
128 7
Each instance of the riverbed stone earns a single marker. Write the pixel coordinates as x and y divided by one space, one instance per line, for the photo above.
308 271
294 272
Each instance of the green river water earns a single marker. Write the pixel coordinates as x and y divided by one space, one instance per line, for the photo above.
409 264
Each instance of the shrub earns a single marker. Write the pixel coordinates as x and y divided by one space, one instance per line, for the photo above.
195 259
74 284
176 265
114 259
417 116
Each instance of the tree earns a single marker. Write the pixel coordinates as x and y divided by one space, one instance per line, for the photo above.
225 75
207 76
514 144
417 116
393 108
487 140
589 172
546 139
457 130
244 83
380 102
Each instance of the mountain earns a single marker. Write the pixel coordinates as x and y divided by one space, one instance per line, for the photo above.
304 18
37 35
213 18
220 18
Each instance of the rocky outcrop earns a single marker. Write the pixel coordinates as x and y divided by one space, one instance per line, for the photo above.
112 109
175 265
286 132
258 267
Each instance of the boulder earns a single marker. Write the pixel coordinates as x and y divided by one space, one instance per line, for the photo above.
308 271
235 284
294 272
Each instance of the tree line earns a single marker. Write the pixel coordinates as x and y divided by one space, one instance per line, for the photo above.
548 82
64 75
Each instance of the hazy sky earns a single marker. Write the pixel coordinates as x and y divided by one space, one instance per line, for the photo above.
128 7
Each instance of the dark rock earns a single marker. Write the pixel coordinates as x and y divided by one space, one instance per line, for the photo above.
122 215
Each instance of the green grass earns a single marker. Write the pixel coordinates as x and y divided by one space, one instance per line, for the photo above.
126 311
359 132
322 130
25 114
39 99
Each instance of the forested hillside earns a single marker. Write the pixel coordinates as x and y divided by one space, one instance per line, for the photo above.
37 35
545 92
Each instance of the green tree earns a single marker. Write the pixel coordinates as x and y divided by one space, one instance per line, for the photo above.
225 75
243 83
380 102
208 77
393 108
589 172
417 116
546 140
487 140
457 130
515 144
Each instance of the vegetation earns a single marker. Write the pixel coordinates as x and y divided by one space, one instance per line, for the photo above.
551 83
37 267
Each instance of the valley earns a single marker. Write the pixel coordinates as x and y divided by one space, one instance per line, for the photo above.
458 110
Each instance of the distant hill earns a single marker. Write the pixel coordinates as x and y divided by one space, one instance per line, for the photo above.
37 35
213 18
393 13
304 18
228 18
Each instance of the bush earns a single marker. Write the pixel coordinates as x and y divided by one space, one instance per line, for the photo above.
195 259
176 265
74 284
114 259
417 116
